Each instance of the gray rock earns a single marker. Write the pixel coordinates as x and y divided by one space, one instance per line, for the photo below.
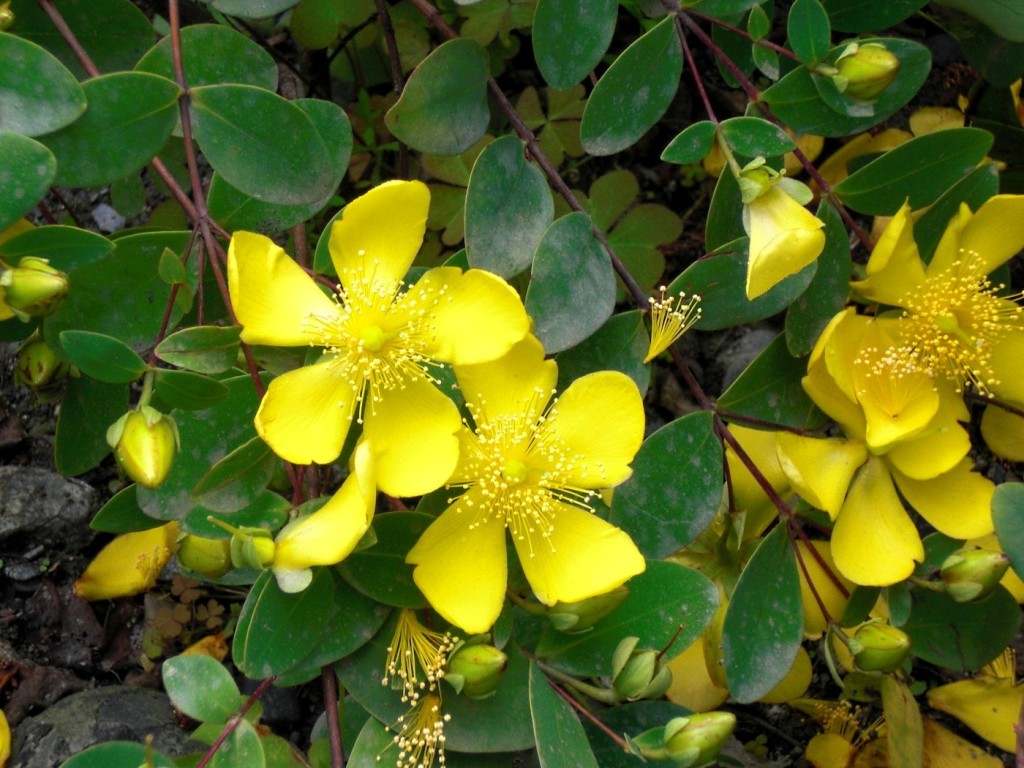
739 354
53 508
115 713
107 219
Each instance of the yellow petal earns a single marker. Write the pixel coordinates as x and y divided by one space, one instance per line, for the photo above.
897 406
784 238
271 295
129 564
829 750
1003 432
993 232
413 434
305 414
1008 364
940 448
823 389
948 251
759 444
478 316
583 556
895 265
958 503
461 565
518 384
829 593
944 749
379 234
692 686
330 534
874 542
599 424
794 684
987 706
5 739
820 470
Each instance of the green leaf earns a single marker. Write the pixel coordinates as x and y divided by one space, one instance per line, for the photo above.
129 117
1004 17
827 293
692 145
237 479
869 15
961 636
103 357
557 730
114 33
631 720
618 345
974 189
241 749
904 731
508 209
37 93
753 136
372 746
764 622
570 37
918 171
277 630
235 210
1008 517
664 600
808 31
725 216
66 248
722 9
213 54
203 348
122 514
29 169
201 687
119 754
719 281
268 510
769 389
796 100
758 24
675 487
253 9
88 408
572 286
380 572
187 390
209 435
261 144
634 92
443 108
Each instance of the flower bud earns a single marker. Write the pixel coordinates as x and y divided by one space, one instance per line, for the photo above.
584 614
38 367
476 670
144 443
638 674
865 70
879 647
252 548
972 573
33 288
756 179
696 740
6 22
206 557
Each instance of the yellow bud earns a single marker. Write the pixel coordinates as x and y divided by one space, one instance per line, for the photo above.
696 740
207 557
879 647
144 443
476 670
38 367
864 71
972 573
584 614
33 288
6 22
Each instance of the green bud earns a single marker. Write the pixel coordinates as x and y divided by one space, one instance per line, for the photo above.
879 647
252 548
38 367
756 178
972 573
638 674
476 670
33 288
584 614
207 557
144 443
696 740
865 70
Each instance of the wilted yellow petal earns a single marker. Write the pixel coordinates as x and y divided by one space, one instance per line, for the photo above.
987 706
830 750
944 749
129 564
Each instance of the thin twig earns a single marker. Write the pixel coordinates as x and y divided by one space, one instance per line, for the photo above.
397 79
232 724
330 686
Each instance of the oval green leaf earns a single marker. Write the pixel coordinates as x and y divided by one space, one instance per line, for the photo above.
262 144
66 248
974 189
634 92
88 408
187 390
692 145
753 136
570 37
37 93
29 169
869 15
122 514
572 287
764 622
1008 516
201 687
508 209
129 117
443 108
235 481
241 749
119 754
380 572
675 488
918 171
808 31
557 730
213 54
203 349
619 345
103 357
253 9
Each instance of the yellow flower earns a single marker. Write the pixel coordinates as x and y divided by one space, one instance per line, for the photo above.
330 534
953 323
784 236
532 468
380 340
129 564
